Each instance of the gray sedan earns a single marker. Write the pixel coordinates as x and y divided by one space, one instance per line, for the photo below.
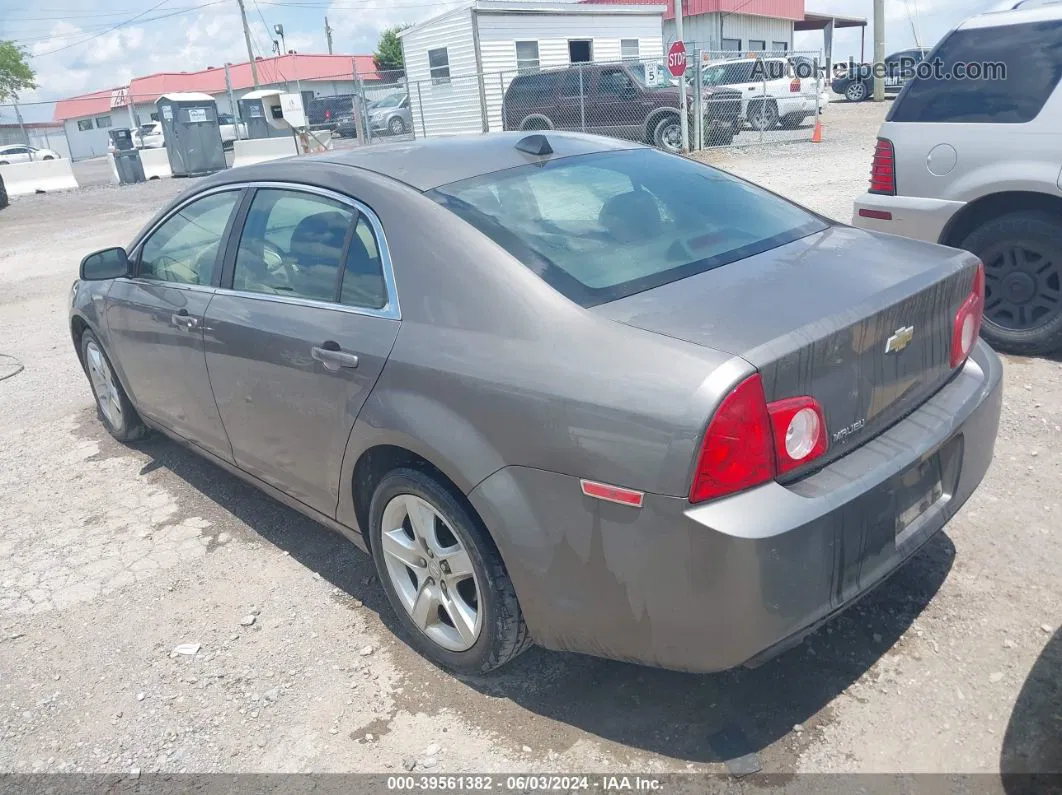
563 389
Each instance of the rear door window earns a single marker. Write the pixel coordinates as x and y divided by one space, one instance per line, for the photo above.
1011 71
601 227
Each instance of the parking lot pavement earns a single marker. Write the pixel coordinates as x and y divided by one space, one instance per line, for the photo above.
115 561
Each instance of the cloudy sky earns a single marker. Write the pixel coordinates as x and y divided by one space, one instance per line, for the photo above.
88 45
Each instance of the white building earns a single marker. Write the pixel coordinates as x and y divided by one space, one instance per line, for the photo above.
459 64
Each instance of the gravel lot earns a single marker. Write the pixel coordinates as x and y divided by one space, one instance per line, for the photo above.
112 557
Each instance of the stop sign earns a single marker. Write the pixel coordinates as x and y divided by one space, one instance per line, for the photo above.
676 59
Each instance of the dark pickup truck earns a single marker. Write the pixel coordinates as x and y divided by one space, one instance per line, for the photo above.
615 100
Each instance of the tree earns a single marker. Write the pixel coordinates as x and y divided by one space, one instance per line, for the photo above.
388 55
15 74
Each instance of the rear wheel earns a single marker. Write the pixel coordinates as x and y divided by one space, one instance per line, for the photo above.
443 576
47 157
536 123
1022 253
668 134
763 115
112 404
793 120
856 92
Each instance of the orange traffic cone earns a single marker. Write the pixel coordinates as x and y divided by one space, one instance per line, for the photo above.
816 137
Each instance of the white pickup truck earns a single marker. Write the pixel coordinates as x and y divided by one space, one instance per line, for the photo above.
773 90
228 126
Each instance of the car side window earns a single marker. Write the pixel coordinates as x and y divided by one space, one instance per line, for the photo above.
292 244
185 247
614 81
363 279
570 86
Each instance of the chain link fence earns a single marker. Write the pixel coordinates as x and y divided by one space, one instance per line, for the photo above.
732 99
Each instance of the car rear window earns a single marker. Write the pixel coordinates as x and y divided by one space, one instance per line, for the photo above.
1030 55
600 227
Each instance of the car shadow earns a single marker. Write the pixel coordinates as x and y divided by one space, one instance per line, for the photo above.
694 718
1032 745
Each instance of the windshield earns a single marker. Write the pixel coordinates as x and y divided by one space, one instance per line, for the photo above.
390 101
601 227
651 75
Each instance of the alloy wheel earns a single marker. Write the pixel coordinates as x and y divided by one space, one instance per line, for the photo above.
856 92
431 573
1023 285
103 385
397 126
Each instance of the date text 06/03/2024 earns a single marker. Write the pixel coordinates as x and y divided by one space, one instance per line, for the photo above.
523 783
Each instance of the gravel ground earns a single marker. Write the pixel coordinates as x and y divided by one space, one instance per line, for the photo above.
156 614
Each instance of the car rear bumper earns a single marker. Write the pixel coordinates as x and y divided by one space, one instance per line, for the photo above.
710 587
909 216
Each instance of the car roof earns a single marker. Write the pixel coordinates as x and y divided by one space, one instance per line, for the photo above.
433 162
1015 16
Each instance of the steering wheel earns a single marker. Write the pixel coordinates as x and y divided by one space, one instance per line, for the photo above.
277 262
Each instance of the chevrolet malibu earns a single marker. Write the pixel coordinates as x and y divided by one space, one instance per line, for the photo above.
563 389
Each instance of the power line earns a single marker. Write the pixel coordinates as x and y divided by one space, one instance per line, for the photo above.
123 24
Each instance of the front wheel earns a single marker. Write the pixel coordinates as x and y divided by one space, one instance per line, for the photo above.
1022 253
113 407
397 126
857 91
668 134
443 576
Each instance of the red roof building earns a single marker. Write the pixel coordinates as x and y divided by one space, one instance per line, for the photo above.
271 71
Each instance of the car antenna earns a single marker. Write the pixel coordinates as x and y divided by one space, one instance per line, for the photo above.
535 145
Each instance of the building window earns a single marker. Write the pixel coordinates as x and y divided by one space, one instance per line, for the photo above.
527 56
84 125
103 121
757 45
780 46
580 51
629 50
731 45
439 66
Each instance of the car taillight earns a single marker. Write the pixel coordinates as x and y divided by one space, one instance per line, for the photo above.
968 320
794 87
750 442
883 169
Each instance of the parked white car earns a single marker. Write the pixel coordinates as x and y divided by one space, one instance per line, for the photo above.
17 153
149 136
228 126
772 90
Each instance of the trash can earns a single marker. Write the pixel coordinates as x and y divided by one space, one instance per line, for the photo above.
122 138
127 164
192 134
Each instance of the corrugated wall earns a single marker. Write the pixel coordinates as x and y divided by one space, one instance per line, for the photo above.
703 30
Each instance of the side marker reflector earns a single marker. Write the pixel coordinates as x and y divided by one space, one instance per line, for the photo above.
603 491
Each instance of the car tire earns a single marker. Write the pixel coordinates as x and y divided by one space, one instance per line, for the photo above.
535 124
4 163
47 157
500 631
668 134
793 120
762 115
856 91
1022 253
396 126
113 407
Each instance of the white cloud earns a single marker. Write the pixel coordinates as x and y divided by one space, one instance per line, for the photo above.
359 30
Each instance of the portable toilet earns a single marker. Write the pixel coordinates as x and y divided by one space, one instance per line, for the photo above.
256 108
191 132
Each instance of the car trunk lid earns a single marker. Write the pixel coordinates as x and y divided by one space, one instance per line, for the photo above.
861 322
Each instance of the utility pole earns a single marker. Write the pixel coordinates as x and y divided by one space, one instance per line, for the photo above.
247 38
683 115
328 36
879 50
21 124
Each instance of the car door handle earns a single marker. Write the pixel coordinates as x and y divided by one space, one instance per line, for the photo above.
333 360
185 321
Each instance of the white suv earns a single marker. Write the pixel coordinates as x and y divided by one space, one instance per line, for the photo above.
773 90
977 164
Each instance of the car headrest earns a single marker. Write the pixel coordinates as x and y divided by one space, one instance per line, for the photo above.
631 217
320 237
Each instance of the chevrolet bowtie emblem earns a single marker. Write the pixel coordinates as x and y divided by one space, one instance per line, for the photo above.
899 340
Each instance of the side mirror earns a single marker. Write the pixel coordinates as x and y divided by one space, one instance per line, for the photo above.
110 263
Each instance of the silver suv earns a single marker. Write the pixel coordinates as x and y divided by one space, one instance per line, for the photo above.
977 164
